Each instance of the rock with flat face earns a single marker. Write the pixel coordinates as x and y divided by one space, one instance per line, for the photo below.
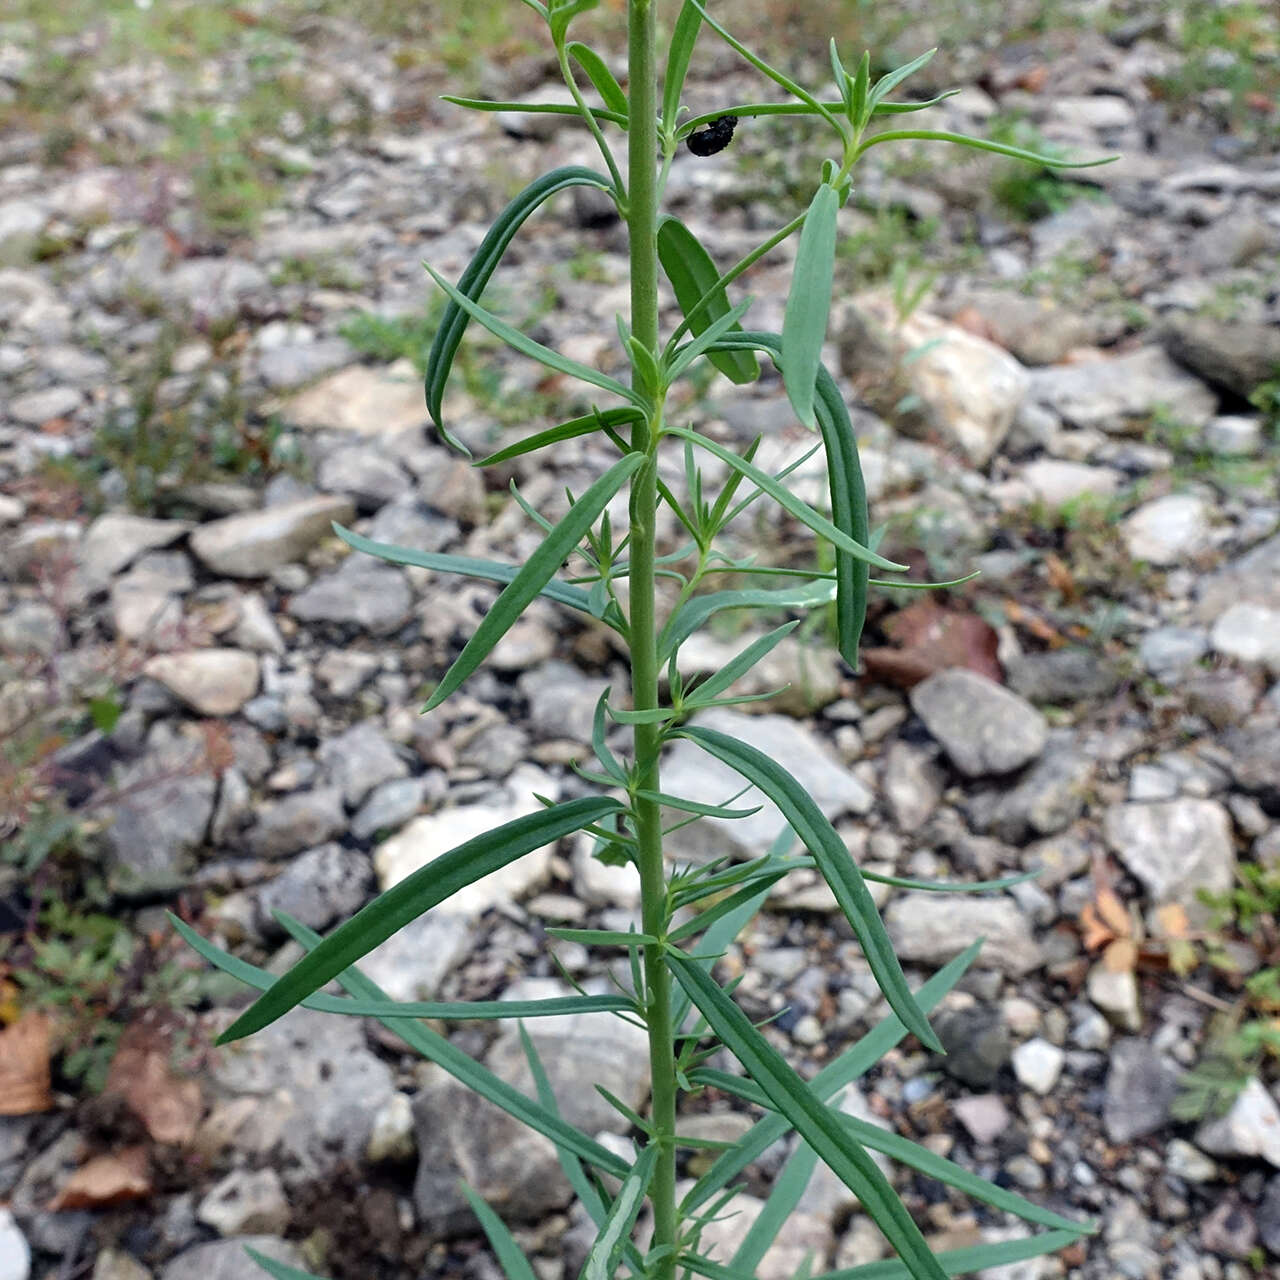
227 1259
213 682
930 928
1141 1085
1175 847
362 401
112 542
253 543
982 726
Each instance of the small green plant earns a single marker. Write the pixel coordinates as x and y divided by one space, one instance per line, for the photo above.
1243 1037
1030 194
689 915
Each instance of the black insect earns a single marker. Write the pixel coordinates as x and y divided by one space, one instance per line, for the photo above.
715 137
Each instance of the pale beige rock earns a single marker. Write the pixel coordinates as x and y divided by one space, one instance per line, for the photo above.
214 682
250 545
364 401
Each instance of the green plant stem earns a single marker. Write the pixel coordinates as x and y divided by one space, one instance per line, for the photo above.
642 217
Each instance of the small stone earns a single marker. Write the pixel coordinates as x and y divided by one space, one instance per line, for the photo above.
244 1202
1250 1128
1025 1172
1185 1161
213 682
932 929
912 784
35 408
1175 847
250 545
1038 1065
414 961
115 1264
363 473
15 1253
389 807
1249 633
1057 482
1229 1230
1115 992
1234 436
392 1137
983 728
227 1259
1049 798
297 822
1169 653
1168 530
1150 782
359 760
1141 1085
1061 676
1223 698
366 594
984 1115
977 1044
363 401
318 887
112 542
1269 1217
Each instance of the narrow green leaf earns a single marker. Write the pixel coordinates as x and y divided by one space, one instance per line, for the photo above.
738 666
468 566
695 806
962 1262
679 51
600 76
422 1039
608 761
980 144
703 299
773 73
534 108
649 378
280 1270
482 266
851 1065
951 886
837 867
587 425
604 937
892 79
705 919
704 343
526 345
511 1259
787 500
471 1010
858 92
693 613
846 1158
848 498
908 1153
609 1244
414 895
843 82
783 1198
804 324
533 577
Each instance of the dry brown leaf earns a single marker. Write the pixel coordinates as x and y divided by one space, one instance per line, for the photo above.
1172 921
1061 579
106 1180
1042 630
1094 934
142 1074
931 638
1113 912
1121 956
25 1049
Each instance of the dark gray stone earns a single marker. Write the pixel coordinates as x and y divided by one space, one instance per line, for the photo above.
298 822
977 1044
366 594
983 727
1141 1086
1061 676
318 887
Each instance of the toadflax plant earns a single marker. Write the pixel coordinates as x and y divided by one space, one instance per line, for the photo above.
689 915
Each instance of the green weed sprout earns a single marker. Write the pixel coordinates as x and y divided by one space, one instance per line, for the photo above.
677 998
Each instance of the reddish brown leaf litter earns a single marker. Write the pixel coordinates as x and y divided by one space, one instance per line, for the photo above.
25 1050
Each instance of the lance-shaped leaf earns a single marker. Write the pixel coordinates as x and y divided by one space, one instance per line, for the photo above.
534 108
679 50
846 1157
854 1063
704 344
848 497
482 266
414 895
430 1044
538 570
788 500
616 1232
837 867
527 346
693 613
511 1259
600 76
703 300
804 324
892 79
608 420
469 566
738 666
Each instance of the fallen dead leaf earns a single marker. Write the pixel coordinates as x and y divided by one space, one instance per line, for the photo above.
142 1074
25 1049
930 638
106 1180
